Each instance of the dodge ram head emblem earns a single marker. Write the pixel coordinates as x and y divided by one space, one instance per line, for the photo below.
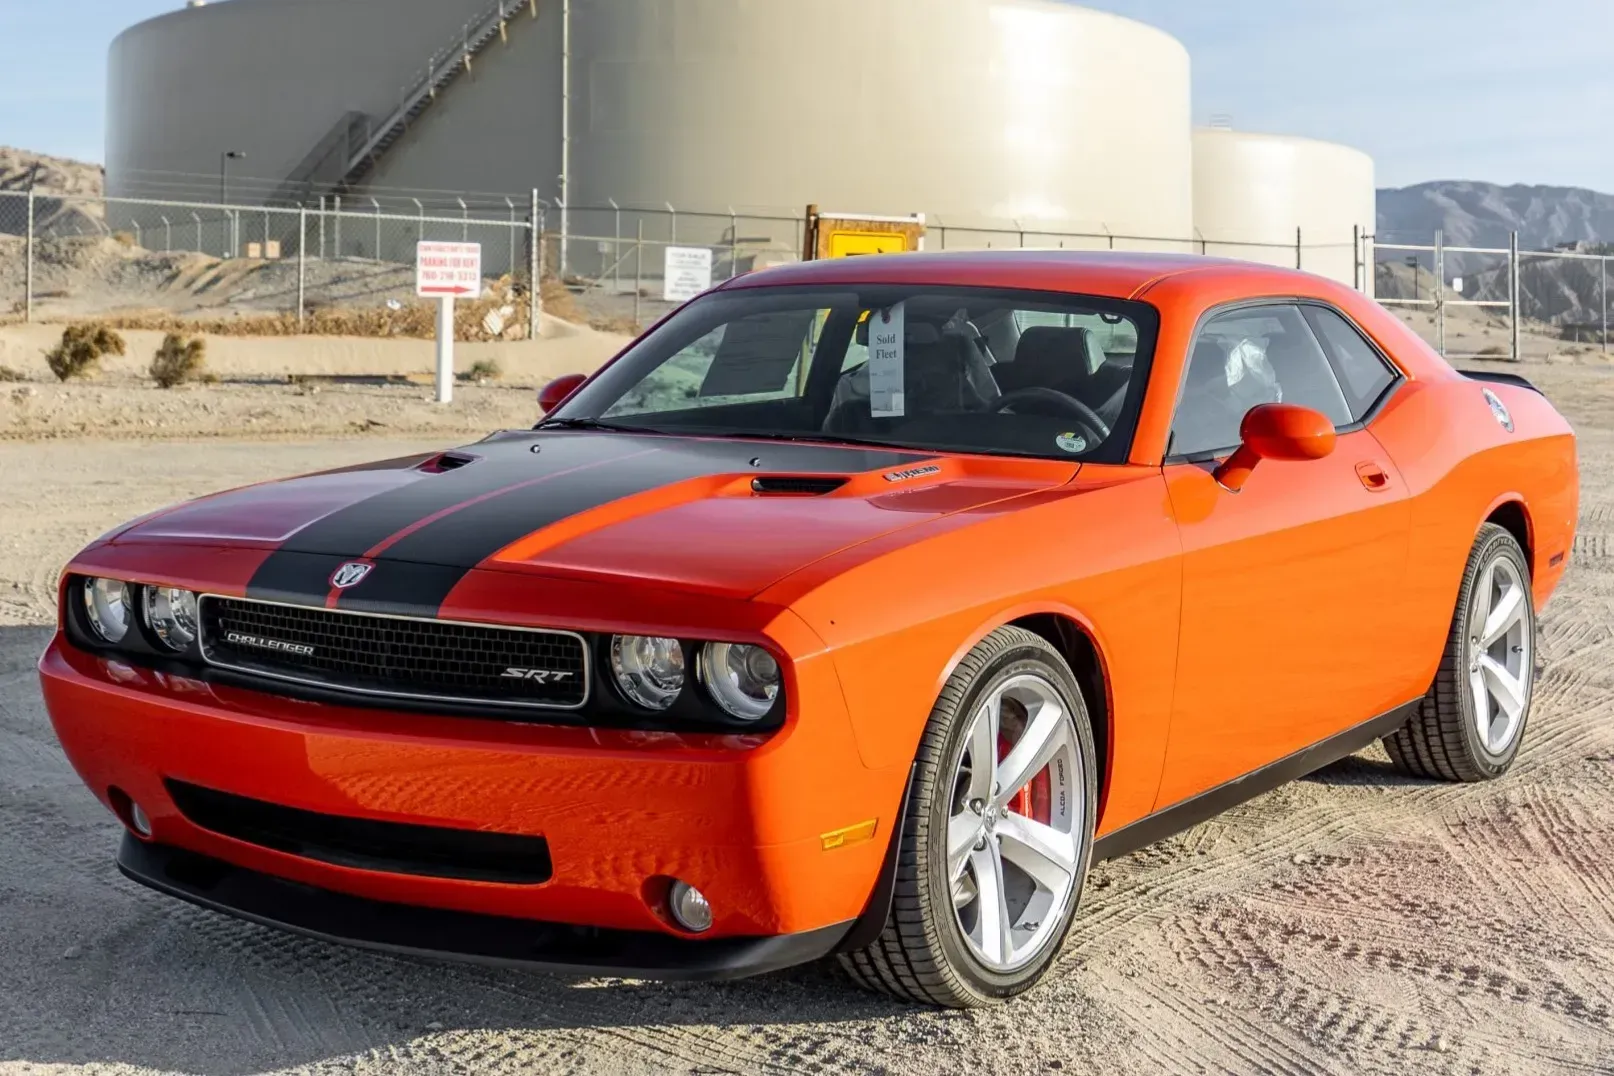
350 575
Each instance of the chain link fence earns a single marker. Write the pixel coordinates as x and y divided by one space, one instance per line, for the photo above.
242 268
348 265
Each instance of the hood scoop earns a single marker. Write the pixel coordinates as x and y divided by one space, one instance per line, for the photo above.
796 485
448 461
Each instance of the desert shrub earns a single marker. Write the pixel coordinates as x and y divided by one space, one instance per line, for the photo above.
8 374
179 360
484 370
79 353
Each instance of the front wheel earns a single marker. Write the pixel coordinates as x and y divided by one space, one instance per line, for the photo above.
998 834
1470 724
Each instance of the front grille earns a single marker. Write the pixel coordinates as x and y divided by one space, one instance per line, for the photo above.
399 657
394 847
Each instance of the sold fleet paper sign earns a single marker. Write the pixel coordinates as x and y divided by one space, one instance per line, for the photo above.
452 270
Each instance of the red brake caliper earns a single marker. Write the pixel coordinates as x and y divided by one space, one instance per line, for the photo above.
1031 801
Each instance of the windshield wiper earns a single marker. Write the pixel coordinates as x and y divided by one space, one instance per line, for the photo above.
810 439
592 424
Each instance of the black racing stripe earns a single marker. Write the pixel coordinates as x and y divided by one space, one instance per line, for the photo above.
465 538
296 570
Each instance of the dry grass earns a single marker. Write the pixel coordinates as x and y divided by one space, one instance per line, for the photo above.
414 320
79 353
179 361
483 370
8 374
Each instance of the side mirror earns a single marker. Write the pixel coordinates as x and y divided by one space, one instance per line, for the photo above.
559 391
1276 432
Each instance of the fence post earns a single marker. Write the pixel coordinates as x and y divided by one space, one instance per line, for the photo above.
1440 291
1603 291
535 270
734 244
1299 257
322 227
1515 308
616 247
28 269
336 247
511 263
302 266
1356 256
638 274
168 235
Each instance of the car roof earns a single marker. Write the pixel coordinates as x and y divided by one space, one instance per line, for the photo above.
1117 274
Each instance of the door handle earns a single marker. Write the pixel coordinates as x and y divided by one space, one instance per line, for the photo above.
1374 477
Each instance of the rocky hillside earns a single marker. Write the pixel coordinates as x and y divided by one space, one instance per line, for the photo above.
20 170
1482 215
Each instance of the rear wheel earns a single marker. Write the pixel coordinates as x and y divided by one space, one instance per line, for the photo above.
998 834
1470 724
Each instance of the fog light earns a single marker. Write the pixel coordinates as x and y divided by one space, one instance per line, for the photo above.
138 820
689 908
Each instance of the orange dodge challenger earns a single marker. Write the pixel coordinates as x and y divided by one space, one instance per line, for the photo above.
854 609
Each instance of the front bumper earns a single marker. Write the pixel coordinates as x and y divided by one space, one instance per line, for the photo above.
757 824
483 939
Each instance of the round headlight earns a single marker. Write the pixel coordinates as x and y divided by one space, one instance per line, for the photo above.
107 603
649 671
744 680
171 615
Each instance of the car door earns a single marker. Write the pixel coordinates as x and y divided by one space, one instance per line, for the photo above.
1291 587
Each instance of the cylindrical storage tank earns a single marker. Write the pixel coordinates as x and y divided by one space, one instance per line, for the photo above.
1282 200
1010 114
269 79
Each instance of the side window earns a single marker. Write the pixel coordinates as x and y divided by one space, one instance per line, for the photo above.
1363 373
1244 358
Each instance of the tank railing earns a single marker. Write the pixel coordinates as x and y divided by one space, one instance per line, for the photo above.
442 68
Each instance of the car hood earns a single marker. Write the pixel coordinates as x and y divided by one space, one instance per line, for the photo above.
718 516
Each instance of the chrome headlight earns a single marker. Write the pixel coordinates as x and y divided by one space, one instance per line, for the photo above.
743 679
108 603
650 671
171 616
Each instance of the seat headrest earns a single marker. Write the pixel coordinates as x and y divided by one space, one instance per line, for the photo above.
1051 356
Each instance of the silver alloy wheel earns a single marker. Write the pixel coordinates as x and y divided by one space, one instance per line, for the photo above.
1013 876
1499 654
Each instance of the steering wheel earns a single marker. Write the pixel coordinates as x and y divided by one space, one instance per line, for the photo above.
1085 416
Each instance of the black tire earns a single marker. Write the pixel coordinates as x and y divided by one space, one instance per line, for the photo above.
921 955
1442 740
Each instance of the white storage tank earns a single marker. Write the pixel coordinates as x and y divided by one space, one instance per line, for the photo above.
269 79
1030 115
1252 191
975 112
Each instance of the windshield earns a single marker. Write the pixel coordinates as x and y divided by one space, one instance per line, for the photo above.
949 369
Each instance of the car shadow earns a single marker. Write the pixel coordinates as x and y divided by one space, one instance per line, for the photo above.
97 969
1364 769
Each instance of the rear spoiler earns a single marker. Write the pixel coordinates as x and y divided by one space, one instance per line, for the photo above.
1500 379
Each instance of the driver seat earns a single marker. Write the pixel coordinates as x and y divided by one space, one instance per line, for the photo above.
941 377
1051 357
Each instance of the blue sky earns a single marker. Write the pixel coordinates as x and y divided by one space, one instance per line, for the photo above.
1501 90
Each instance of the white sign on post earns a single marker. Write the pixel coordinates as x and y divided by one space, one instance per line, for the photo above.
448 270
445 272
688 273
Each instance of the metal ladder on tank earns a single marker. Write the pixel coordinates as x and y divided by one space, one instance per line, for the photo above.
444 67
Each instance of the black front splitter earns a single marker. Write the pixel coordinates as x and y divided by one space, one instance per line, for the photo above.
463 936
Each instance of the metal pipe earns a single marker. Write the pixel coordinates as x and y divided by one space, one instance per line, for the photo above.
565 130
1516 309
465 215
336 247
616 247
734 244
535 270
1299 256
28 270
302 267
322 227
511 262
377 206
1440 292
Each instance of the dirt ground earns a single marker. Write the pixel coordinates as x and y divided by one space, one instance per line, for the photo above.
1352 922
